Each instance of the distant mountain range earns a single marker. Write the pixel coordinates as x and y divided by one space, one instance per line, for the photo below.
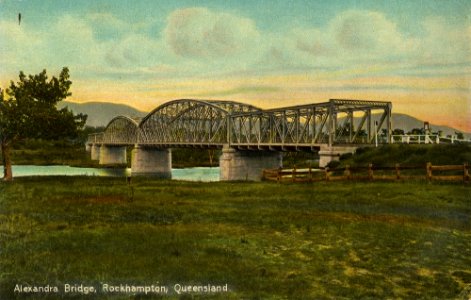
100 113
407 123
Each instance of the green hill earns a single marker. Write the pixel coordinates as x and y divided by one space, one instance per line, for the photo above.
100 113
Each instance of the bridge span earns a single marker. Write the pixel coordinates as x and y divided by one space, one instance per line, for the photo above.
251 138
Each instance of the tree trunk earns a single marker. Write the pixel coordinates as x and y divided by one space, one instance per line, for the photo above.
7 173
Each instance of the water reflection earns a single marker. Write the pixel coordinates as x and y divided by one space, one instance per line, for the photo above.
189 174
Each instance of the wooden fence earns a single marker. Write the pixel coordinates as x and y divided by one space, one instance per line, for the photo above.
370 172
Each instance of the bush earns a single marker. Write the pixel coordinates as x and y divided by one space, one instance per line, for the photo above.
388 155
333 164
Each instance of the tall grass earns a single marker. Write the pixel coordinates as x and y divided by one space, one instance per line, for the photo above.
266 241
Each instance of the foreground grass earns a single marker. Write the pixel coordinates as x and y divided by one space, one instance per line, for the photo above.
328 241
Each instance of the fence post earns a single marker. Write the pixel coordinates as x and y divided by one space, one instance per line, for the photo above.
370 171
398 172
278 175
347 172
310 174
326 170
429 171
293 174
465 172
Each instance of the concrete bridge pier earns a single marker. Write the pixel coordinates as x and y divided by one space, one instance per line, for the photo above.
112 155
247 165
150 161
95 151
88 147
328 154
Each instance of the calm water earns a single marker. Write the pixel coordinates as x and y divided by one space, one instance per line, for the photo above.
190 174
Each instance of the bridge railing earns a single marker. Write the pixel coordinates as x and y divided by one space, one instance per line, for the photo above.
415 139
453 139
426 139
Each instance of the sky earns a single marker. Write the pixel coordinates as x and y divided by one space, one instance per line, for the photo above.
416 53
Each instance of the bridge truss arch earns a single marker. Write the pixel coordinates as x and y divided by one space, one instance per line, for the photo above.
190 122
121 130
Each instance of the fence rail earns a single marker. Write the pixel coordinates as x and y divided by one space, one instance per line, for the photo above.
426 139
371 173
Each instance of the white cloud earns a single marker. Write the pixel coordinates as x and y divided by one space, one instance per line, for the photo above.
201 42
18 45
107 20
444 43
366 38
366 31
67 41
313 41
133 49
72 42
201 33
354 36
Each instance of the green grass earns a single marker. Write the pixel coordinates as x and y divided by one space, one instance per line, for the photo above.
265 240
41 152
72 157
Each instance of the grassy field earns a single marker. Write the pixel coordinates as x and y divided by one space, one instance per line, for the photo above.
264 240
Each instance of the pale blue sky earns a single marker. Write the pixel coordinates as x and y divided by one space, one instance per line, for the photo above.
416 54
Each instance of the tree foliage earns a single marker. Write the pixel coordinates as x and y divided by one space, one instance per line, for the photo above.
417 131
28 110
459 135
398 131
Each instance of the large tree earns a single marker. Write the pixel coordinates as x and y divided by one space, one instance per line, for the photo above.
28 109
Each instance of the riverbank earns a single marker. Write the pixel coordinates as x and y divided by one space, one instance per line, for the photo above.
76 156
44 153
264 240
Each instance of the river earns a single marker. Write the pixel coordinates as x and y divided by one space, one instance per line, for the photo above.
189 174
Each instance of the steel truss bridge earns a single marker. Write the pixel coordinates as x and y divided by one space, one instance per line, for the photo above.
214 123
